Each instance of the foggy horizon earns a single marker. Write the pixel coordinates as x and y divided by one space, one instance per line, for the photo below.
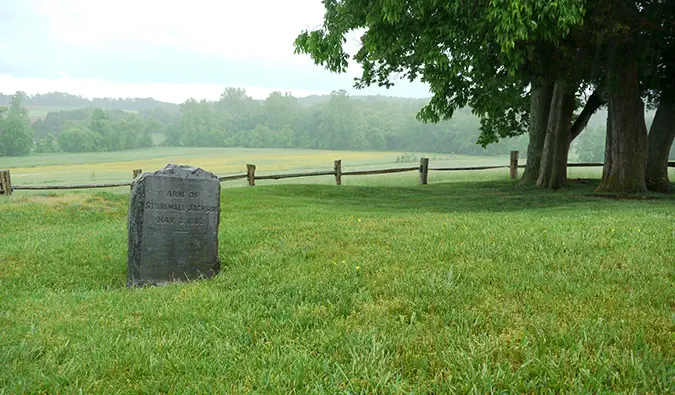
169 52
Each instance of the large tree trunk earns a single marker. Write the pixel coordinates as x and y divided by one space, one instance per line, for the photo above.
626 144
553 169
661 137
540 104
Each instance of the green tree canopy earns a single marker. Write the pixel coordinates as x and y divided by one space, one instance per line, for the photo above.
16 135
80 140
468 53
486 54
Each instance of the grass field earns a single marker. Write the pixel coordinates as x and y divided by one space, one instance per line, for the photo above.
42 111
446 288
36 112
87 168
117 166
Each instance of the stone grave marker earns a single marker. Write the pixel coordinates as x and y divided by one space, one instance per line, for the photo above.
173 221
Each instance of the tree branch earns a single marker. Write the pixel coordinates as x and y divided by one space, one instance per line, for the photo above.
594 102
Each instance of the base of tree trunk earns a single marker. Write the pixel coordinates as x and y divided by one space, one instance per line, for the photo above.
661 137
661 186
526 179
540 105
622 185
553 170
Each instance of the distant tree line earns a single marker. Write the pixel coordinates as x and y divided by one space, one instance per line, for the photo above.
66 100
99 131
343 122
339 122
95 129
81 130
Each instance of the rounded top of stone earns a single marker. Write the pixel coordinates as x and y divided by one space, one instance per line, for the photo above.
180 171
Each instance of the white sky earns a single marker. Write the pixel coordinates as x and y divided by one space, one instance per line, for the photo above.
163 49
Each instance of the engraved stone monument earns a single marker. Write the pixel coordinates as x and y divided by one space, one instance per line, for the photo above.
173 221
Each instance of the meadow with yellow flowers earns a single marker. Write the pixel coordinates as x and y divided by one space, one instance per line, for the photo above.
107 167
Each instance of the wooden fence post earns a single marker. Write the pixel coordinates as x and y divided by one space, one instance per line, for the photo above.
424 170
137 172
5 183
338 172
513 165
250 174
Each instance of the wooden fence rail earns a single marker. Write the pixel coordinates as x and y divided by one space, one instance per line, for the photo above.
6 187
473 168
84 186
381 171
232 178
295 175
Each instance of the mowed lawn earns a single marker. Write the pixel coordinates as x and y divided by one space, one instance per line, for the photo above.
444 288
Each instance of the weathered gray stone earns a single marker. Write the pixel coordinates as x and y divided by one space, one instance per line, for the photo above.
173 221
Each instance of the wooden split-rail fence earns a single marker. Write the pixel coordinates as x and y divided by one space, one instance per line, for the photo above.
6 187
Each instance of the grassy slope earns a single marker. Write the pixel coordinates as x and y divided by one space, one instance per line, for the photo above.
443 288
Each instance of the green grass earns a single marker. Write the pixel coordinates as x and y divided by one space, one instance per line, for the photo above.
445 288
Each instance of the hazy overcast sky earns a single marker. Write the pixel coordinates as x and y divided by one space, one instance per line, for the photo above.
166 50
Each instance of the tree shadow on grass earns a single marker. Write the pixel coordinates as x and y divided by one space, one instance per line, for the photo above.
464 197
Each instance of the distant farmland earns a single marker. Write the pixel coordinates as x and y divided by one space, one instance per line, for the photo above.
40 112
